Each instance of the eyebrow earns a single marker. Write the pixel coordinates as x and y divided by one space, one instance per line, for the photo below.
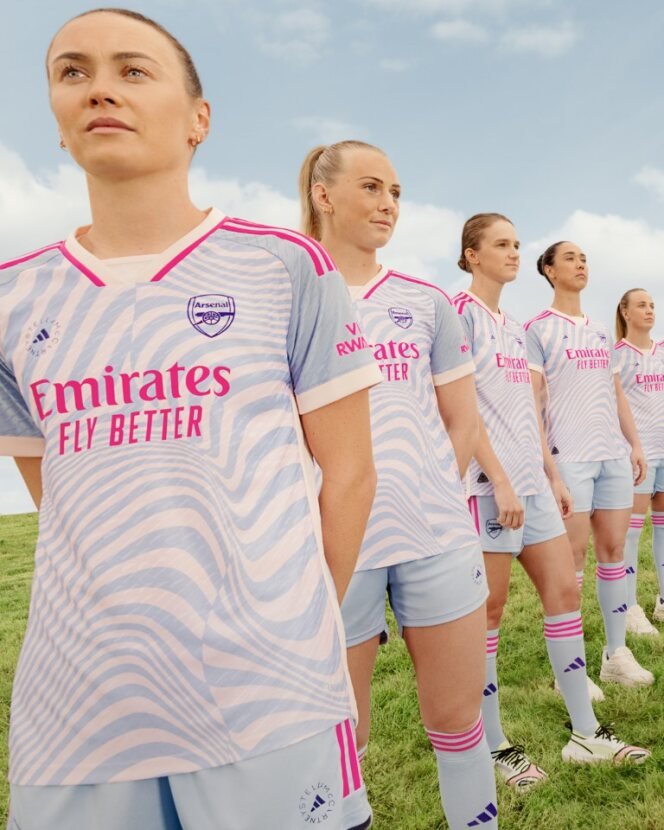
376 179
118 56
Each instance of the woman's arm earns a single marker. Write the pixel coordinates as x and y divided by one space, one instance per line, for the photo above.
30 469
339 437
561 493
628 427
510 509
457 404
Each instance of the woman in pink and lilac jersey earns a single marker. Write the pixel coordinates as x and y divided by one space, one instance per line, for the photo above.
591 435
174 367
519 502
420 546
640 360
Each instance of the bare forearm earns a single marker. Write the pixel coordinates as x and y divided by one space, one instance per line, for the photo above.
345 508
464 438
487 458
30 470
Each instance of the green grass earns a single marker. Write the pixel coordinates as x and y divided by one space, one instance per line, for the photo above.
400 768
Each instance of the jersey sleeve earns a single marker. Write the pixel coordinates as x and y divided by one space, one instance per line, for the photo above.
616 362
328 354
451 357
19 436
534 350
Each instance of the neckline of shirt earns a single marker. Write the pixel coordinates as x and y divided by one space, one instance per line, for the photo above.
583 319
498 316
134 269
357 292
652 348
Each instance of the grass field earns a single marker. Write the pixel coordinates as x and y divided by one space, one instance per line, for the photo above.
400 768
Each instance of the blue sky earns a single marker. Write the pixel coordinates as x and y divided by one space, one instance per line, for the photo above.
546 110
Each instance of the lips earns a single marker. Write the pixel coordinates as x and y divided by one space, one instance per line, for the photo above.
108 123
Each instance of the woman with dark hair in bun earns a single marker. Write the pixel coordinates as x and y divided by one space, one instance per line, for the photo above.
519 503
592 437
640 360
184 660
420 547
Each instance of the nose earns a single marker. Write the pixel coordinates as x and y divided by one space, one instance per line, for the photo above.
97 99
388 203
101 91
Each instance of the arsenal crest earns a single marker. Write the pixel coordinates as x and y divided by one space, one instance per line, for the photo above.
401 316
493 528
211 314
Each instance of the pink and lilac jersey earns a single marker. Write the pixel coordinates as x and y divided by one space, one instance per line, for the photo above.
642 378
182 613
575 355
505 398
420 508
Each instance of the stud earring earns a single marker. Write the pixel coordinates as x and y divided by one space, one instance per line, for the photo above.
63 146
195 140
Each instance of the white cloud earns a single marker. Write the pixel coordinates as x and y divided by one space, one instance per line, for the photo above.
298 35
395 64
459 30
458 6
547 41
328 130
652 179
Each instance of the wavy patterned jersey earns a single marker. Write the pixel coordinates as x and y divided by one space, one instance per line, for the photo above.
182 614
575 355
642 378
420 508
505 397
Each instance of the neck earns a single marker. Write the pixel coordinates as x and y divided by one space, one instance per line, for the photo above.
139 216
487 290
639 337
358 266
569 302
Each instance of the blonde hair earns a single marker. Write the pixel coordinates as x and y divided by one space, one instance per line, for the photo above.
322 164
621 323
473 232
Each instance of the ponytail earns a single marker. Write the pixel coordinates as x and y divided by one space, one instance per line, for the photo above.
621 323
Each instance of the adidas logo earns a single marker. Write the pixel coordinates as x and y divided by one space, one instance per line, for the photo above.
576 664
43 335
318 803
482 479
621 609
489 690
629 570
555 451
487 815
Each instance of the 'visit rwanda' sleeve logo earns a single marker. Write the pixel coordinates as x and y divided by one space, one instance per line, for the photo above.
211 314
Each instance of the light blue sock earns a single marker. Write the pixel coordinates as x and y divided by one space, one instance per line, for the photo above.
466 778
632 556
612 596
490 703
563 634
658 547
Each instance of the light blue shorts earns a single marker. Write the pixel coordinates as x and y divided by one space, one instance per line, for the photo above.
422 592
599 485
542 521
654 480
301 786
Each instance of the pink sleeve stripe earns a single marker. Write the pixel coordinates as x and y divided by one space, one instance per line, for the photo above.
535 319
319 256
352 752
185 253
420 282
82 268
12 262
610 574
457 742
342 759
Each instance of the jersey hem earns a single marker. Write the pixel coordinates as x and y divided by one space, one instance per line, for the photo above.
338 388
398 560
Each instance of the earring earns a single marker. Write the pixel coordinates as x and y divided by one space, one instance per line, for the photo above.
63 146
195 140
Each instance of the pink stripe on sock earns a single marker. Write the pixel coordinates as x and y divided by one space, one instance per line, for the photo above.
658 520
492 644
352 752
637 521
361 753
457 741
579 580
610 574
342 753
567 629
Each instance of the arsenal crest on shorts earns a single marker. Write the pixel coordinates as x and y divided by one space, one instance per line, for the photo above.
211 314
401 316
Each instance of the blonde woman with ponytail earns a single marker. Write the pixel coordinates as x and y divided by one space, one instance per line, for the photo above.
640 360
421 546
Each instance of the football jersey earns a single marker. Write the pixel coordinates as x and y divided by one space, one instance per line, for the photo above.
642 378
420 508
575 356
182 613
505 398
